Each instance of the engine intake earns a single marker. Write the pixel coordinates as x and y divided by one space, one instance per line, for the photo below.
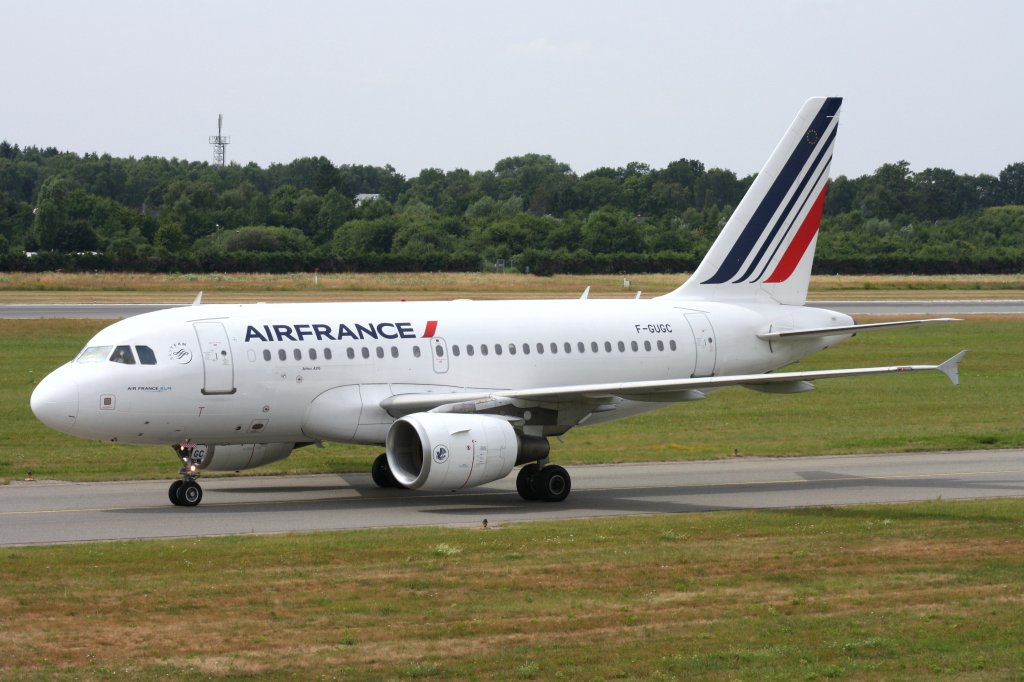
443 451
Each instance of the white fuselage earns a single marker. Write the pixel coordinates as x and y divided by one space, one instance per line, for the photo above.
306 372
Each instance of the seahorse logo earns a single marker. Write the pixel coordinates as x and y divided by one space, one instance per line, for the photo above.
180 353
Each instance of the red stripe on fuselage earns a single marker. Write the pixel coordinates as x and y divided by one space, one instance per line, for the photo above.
429 331
798 247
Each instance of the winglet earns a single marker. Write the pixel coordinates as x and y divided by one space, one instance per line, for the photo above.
586 294
951 367
199 299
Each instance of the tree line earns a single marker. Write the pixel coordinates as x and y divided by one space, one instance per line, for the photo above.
530 213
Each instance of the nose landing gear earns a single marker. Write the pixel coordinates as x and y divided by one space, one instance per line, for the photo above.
187 492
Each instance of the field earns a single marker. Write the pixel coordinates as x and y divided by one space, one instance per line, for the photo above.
922 591
917 591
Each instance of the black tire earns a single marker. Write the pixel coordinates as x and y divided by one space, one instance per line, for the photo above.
190 494
552 484
381 473
524 481
172 492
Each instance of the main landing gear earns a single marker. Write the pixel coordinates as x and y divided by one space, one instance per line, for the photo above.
186 492
549 483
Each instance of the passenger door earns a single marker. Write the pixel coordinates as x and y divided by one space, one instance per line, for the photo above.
218 368
704 344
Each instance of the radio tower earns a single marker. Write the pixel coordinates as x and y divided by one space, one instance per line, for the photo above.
220 142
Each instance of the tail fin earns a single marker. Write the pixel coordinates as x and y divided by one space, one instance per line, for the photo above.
764 253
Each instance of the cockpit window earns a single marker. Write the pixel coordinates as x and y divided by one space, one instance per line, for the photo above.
94 354
123 354
146 355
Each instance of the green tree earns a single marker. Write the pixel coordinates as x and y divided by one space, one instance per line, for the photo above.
53 227
610 230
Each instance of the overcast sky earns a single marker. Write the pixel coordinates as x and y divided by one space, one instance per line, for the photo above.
464 84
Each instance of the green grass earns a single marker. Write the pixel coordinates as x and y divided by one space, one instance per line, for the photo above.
919 591
873 414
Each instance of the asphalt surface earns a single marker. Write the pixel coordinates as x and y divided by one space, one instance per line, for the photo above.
116 311
47 512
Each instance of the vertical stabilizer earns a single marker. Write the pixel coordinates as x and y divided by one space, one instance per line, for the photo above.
765 251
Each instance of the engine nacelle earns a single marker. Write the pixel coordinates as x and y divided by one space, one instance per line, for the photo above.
238 457
444 451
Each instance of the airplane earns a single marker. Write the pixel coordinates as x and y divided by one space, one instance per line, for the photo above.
461 392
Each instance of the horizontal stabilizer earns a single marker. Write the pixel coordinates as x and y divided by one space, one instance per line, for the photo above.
844 331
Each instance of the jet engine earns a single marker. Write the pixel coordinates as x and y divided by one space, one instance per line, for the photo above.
238 457
444 451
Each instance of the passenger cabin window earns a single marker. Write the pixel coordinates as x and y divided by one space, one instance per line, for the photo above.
351 352
146 355
94 354
266 355
416 351
312 353
327 353
124 355
282 355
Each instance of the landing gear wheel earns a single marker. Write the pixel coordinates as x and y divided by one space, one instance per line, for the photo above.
189 494
524 481
381 473
552 484
172 492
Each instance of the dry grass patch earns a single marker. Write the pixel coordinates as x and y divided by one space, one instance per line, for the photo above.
61 287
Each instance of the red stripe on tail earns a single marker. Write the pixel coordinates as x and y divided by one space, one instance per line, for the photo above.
803 238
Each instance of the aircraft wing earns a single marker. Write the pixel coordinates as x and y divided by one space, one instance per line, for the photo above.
674 390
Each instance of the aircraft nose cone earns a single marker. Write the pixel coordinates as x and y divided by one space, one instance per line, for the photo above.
55 402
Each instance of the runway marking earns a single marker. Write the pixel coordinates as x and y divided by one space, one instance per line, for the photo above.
490 493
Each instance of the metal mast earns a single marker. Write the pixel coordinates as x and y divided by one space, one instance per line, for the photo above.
220 142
